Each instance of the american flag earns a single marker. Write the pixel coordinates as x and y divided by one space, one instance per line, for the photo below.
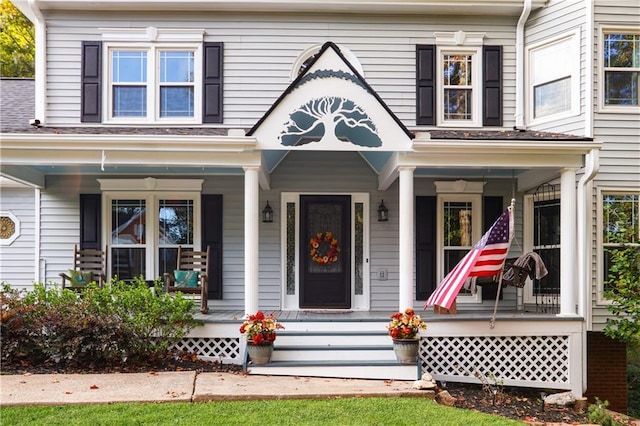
486 258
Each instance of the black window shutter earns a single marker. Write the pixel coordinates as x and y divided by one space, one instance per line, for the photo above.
492 86
90 221
212 83
492 208
425 246
425 85
212 237
91 82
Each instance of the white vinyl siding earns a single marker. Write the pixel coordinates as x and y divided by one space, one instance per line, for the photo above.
17 258
550 23
260 52
620 154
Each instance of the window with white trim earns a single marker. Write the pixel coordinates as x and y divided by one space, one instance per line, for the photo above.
153 83
143 229
459 86
459 227
554 83
620 65
620 230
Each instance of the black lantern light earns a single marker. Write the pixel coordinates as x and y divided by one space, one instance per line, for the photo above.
267 213
383 212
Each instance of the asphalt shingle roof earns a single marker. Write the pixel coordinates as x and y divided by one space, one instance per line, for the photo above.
17 103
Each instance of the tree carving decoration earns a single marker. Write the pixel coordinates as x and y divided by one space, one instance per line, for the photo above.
330 119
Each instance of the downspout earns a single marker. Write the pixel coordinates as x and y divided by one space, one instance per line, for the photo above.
585 196
40 60
584 200
519 115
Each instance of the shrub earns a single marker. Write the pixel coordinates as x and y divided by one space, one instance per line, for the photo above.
598 414
93 328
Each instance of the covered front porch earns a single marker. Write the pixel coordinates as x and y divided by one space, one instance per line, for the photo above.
520 350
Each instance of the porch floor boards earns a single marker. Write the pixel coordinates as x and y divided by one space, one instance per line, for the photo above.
376 316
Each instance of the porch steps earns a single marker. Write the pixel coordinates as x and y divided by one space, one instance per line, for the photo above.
336 351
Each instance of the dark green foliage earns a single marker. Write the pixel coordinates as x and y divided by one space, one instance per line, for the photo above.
96 327
598 414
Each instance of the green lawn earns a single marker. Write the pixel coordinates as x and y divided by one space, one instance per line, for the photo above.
325 412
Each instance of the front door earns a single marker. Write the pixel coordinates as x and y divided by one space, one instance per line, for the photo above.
325 251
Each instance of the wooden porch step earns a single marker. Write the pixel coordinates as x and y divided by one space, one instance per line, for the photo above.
333 353
381 370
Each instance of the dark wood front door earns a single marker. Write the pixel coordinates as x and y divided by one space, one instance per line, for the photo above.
325 251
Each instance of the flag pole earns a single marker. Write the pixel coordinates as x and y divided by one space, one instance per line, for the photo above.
492 321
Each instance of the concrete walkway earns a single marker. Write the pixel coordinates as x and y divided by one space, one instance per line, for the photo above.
186 386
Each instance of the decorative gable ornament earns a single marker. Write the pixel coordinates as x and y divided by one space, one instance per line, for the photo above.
330 107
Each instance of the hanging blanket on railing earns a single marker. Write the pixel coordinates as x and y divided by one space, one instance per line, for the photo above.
532 262
515 272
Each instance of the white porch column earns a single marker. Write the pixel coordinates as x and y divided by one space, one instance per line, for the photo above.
568 243
251 240
405 219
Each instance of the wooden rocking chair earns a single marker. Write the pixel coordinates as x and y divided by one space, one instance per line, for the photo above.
88 267
191 276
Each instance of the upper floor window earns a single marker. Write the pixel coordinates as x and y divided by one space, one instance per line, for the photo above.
554 70
154 84
459 88
620 68
151 75
459 82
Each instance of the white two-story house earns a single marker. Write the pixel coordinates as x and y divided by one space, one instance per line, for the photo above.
402 128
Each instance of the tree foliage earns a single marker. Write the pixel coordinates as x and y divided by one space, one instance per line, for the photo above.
17 42
623 279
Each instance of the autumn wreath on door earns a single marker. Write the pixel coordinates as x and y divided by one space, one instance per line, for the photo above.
324 248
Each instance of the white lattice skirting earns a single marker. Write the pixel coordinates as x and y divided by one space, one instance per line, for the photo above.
216 348
536 361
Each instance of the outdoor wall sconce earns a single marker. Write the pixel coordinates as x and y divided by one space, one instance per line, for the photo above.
267 213
383 212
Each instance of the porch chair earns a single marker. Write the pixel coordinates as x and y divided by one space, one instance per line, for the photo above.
88 266
191 275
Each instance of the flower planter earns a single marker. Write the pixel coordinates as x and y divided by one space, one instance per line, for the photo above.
261 353
406 350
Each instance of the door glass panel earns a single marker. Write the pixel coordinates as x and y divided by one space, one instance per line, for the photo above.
291 248
546 242
325 225
359 248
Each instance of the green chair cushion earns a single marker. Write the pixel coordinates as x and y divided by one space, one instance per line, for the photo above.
186 278
79 278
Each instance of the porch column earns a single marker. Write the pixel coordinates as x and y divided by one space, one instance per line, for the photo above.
251 230
405 250
568 243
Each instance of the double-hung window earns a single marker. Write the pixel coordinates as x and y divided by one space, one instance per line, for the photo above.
620 230
459 227
620 68
154 84
459 87
144 229
554 82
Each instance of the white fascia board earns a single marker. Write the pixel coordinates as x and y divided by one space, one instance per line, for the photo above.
178 143
544 147
461 7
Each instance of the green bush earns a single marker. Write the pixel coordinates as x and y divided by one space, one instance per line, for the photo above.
598 414
96 327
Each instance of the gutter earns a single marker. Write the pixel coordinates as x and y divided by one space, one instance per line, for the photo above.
519 115
40 59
